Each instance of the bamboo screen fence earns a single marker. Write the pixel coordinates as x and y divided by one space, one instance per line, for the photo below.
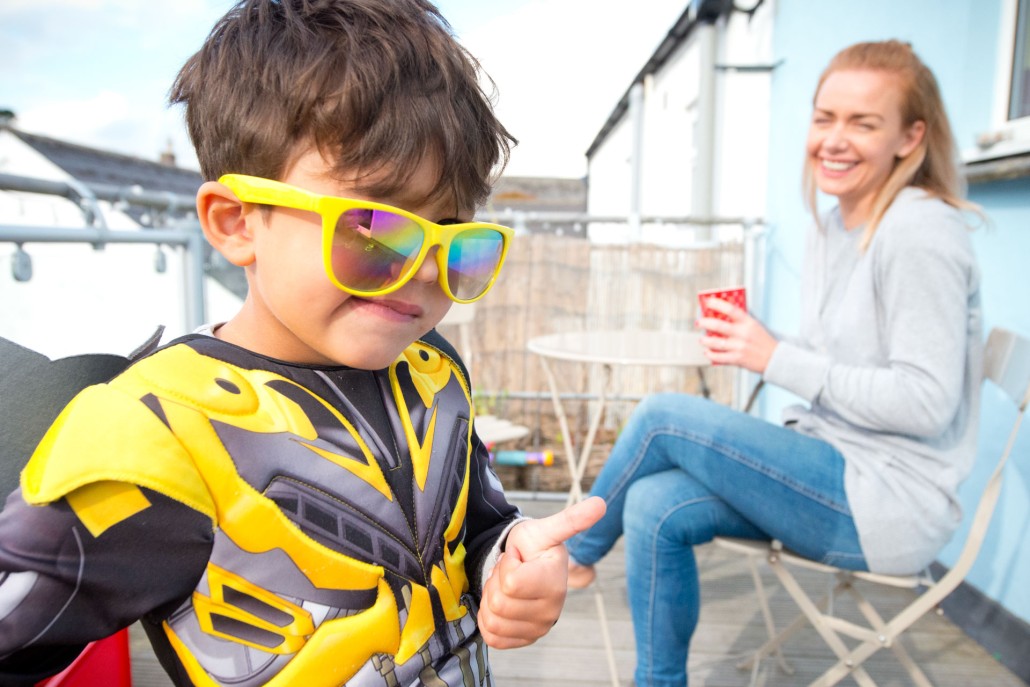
552 284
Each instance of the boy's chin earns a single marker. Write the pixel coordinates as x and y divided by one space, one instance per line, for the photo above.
372 358
376 361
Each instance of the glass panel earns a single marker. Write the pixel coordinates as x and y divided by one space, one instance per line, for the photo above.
1019 105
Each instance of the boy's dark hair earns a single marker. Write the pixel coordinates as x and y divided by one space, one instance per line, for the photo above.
374 85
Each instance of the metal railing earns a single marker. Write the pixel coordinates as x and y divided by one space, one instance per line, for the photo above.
183 233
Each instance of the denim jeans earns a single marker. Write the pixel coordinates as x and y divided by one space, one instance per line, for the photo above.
685 470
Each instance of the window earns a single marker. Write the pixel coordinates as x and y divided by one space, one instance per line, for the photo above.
1009 128
1019 99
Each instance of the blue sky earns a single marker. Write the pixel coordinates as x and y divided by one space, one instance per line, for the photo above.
97 72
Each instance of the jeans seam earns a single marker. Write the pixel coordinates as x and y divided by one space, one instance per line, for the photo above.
622 484
654 566
835 557
757 467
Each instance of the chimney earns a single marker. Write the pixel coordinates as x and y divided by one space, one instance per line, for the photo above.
167 157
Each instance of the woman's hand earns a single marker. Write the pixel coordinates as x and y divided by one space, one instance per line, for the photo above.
740 341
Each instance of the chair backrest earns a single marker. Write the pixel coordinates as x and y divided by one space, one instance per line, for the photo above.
33 390
1007 365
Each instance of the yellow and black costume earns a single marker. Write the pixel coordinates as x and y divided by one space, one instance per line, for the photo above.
270 523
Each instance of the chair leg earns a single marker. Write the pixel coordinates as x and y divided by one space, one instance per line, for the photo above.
606 637
815 617
877 622
775 640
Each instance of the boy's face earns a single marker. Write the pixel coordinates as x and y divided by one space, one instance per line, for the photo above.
294 313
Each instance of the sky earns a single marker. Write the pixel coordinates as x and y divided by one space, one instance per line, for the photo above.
97 72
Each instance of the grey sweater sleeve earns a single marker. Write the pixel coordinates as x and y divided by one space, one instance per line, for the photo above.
920 265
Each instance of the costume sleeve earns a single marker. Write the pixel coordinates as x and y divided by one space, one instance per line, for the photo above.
489 517
62 586
924 273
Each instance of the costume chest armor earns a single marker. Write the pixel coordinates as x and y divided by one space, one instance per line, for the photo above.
338 501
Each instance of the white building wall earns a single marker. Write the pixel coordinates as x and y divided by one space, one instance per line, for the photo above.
673 107
742 118
608 183
81 299
670 140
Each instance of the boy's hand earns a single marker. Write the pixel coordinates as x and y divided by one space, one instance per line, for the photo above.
525 593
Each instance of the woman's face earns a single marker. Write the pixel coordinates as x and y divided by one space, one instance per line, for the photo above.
856 136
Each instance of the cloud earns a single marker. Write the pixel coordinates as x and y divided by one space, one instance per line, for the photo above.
560 67
97 72
78 118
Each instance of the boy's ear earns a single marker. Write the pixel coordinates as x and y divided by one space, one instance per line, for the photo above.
223 220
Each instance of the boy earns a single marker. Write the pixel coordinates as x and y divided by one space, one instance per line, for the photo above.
295 497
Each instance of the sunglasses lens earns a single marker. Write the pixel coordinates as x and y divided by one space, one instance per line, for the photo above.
473 260
373 249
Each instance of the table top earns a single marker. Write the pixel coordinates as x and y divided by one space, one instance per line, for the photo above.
623 347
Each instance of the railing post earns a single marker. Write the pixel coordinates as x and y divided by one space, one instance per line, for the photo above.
194 297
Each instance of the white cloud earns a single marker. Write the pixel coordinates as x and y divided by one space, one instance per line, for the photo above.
560 67
97 72
78 119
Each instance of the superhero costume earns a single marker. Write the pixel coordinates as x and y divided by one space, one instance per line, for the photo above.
270 523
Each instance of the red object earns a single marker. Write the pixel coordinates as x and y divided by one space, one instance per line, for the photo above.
736 295
103 663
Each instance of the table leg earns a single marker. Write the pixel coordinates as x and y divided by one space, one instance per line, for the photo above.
577 461
595 422
575 491
703 383
577 467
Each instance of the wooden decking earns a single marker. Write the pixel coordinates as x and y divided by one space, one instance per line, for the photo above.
571 655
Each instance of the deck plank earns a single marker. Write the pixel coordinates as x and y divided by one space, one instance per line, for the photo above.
730 626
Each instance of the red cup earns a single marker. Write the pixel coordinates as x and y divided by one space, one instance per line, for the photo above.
735 295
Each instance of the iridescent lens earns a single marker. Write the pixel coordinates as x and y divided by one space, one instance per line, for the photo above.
472 261
372 249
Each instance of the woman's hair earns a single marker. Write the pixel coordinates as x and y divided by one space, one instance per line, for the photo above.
375 85
933 165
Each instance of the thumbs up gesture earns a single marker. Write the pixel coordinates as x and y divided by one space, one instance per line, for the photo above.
525 592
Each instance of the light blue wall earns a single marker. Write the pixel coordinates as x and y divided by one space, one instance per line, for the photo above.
957 39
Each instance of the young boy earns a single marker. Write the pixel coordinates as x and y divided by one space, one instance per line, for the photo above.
296 497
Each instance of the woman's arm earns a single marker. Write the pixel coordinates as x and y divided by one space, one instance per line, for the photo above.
923 277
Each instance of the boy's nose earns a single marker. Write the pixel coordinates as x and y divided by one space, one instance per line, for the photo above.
428 271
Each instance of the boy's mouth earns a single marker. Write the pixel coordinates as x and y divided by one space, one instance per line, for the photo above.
403 308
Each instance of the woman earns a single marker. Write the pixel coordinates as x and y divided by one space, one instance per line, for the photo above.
865 475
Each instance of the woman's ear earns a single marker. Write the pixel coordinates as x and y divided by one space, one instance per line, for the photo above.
913 137
223 220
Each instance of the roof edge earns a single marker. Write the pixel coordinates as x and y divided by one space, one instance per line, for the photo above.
696 12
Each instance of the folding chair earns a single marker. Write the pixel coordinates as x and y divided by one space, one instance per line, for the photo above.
33 390
1007 365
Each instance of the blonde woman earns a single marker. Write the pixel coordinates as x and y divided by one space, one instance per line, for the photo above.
863 475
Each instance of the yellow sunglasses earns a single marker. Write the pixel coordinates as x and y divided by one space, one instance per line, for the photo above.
372 249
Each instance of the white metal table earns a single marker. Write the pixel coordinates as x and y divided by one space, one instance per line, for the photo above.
608 349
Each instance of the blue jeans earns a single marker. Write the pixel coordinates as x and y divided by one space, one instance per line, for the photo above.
685 470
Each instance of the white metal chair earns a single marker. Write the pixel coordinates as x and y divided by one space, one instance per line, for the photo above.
490 428
1007 365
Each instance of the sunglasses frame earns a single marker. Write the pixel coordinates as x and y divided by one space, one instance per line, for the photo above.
261 191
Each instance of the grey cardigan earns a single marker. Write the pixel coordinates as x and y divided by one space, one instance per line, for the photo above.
889 361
